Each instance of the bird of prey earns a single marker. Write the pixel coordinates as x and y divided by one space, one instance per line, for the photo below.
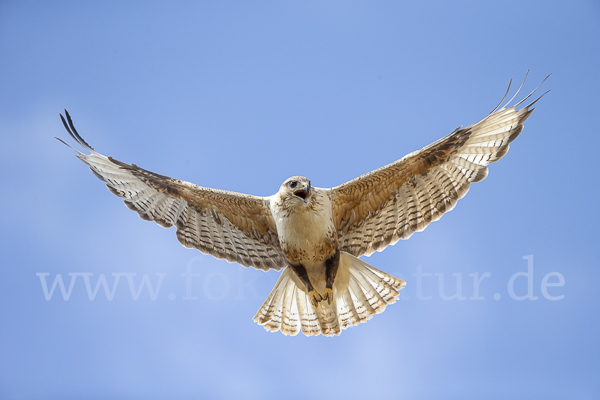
317 235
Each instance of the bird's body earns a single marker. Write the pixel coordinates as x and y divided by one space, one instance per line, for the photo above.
316 235
322 290
306 230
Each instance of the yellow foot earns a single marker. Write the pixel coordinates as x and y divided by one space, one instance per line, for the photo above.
328 295
314 297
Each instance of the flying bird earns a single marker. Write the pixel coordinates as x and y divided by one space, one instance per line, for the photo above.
317 235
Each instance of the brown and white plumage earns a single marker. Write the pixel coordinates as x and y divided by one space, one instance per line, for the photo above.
361 291
379 208
233 226
317 234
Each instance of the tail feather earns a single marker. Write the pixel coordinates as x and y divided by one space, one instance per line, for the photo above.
372 295
276 305
348 314
360 291
382 293
289 322
308 319
328 318
392 284
364 306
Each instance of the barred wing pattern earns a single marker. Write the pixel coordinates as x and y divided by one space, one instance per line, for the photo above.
229 225
379 208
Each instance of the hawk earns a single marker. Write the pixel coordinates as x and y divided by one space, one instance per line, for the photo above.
317 235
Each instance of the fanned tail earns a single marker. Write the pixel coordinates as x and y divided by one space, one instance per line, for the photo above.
359 290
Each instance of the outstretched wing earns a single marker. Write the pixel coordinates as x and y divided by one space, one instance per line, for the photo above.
233 226
391 203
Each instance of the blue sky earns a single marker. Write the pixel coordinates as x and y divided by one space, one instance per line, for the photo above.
227 95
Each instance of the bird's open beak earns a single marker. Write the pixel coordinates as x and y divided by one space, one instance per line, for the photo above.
303 193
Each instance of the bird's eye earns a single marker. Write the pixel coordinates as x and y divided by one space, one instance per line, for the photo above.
293 184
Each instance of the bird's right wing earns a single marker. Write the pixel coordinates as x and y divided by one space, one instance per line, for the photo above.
229 225
379 208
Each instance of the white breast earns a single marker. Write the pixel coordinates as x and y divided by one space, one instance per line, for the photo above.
301 227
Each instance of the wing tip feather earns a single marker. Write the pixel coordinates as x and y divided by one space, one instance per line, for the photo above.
70 127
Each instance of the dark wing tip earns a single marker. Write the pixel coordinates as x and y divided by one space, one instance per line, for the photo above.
62 141
73 132
518 91
536 100
504 97
532 92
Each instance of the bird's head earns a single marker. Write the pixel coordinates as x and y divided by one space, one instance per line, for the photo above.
296 188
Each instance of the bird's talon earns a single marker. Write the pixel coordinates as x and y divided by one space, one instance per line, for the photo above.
328 295
314 297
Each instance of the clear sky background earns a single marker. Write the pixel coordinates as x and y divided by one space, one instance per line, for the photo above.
242 95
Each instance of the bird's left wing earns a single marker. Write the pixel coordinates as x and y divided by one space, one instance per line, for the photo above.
391 203
229 225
